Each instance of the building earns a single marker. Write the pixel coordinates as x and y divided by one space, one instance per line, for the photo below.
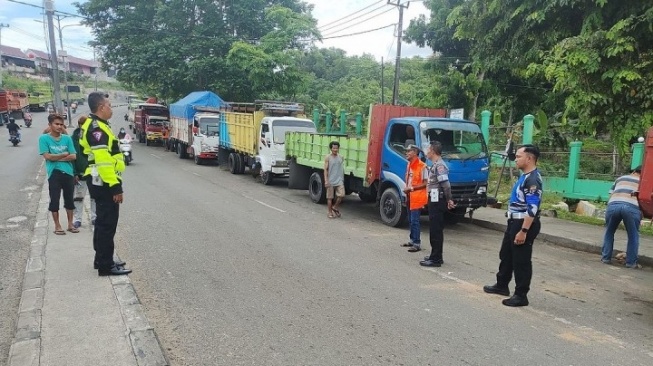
76 65
13 58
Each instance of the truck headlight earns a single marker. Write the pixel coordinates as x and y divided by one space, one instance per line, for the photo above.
482 189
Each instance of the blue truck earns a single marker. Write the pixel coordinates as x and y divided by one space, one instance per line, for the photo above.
375 163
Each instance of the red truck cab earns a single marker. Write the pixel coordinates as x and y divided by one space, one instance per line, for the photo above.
149 120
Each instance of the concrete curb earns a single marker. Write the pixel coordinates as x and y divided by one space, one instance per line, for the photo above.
26 347
559 241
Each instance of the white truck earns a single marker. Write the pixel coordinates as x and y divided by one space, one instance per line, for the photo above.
254 134
194 126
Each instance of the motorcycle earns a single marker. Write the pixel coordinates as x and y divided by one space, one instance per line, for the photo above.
14 138
126 149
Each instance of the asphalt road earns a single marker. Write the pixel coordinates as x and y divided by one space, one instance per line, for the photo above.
20 188
232 272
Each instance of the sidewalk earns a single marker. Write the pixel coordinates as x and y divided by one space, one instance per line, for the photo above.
569 234
68 315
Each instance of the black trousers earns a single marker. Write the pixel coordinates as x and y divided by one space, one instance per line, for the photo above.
437 211
517 258
106 222
58 182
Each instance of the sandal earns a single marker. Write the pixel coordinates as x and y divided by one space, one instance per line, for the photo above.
407 244
60 232
74 230
337 212
331 216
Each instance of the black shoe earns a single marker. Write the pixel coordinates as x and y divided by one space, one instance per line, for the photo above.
494 289
516 300
114 271
428 258
430 263
118 263
414 249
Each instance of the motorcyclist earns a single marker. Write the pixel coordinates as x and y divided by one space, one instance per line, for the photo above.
13 128
123 135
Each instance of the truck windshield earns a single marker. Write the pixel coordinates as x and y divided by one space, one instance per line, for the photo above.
459 140
209 126
281 126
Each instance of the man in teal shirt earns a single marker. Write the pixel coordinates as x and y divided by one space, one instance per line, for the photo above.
59 154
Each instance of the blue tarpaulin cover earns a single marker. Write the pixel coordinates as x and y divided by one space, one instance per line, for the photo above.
185 107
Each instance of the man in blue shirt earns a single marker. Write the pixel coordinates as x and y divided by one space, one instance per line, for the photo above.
522 229
59 154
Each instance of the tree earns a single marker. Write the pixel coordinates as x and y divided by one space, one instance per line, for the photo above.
170 48
607 71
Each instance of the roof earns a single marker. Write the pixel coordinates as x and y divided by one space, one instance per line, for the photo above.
185 107
39 54
71 59
150 105
13 52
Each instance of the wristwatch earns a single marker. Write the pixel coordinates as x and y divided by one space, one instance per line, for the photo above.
524 230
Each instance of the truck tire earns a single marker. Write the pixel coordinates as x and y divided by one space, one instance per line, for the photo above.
181 151
147 142
267 178
391 210
233 163
241 163
316 189
197 159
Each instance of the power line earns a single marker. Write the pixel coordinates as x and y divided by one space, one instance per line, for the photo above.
40 7
350 15
359 22
357 33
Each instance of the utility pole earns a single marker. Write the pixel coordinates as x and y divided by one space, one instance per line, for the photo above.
2 25
64 56
400 31
49 11
96 68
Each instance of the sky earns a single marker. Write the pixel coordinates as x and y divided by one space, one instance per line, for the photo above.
335 18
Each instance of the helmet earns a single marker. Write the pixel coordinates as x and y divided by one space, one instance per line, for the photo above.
11 119
122 129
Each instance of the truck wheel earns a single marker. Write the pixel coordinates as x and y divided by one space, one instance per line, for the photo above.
267 178
366 197
316 188
197 160
391 210
147 142
241 163
233 163
181 151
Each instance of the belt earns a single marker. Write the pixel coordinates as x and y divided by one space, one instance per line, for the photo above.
516 215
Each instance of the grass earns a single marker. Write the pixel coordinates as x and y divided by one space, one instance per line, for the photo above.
550 199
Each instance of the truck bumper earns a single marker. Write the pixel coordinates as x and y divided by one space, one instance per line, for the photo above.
281 171
208 155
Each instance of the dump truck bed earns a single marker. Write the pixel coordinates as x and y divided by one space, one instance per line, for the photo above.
310 149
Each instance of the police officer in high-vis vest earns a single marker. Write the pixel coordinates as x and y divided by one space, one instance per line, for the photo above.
103 176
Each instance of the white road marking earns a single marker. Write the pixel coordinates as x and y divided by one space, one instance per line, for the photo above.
262 203
197 174
156 156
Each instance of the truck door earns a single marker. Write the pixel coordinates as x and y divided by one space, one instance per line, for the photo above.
400 135
265 145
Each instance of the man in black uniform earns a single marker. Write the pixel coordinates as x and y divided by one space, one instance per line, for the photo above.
522 229
104 179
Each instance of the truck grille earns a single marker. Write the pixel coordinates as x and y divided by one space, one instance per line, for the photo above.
464 190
